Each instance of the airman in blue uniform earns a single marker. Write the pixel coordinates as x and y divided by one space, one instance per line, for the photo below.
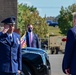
10 49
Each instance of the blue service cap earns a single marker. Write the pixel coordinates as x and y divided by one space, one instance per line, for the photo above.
10 20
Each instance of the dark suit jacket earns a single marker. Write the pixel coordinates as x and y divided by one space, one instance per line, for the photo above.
69 60
35 40
10 53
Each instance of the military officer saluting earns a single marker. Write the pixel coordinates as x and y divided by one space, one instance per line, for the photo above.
10 49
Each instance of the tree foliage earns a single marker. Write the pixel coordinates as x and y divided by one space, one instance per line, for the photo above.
30 15
65 18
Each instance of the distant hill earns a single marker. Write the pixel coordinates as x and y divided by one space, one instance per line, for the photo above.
54 19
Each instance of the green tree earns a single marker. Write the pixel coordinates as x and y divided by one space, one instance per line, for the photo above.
65 18
30 15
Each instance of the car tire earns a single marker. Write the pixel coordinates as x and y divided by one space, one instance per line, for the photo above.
26 70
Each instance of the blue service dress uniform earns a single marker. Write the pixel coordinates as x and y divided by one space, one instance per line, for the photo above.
69 59
10 54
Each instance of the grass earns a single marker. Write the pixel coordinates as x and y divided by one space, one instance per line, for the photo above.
54 31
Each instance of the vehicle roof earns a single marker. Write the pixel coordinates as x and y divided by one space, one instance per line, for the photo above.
31 49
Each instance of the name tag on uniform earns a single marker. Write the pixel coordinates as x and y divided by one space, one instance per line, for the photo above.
18 41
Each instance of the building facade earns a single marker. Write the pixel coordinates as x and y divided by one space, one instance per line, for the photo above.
8 8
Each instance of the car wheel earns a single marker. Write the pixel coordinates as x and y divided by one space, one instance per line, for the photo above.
26 70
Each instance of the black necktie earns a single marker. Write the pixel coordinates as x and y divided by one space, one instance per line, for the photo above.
11 38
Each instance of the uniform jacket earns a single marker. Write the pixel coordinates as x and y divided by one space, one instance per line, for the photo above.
10 53
69 60
35 40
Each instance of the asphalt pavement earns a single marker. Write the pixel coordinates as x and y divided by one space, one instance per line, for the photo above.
56 64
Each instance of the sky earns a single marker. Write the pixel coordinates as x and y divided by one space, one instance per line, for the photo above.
48 7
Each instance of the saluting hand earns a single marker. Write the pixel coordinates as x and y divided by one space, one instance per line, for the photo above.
6 28
19 71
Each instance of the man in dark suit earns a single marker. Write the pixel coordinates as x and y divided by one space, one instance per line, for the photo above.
32 38
69 60
10 49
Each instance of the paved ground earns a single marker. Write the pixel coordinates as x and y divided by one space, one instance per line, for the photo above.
56 64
